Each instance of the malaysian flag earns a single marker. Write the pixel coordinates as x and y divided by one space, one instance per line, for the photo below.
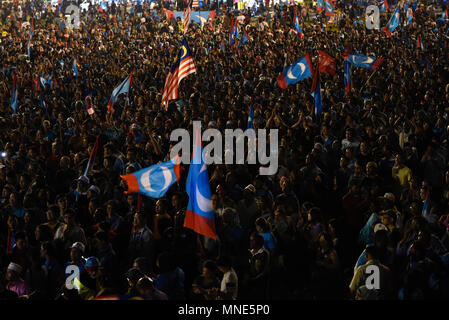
181 68
187 20
195 3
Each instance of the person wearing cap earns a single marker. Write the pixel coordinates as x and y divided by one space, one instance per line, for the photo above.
76 256
15 281
133 275
6 294
70 129
147 291
89 283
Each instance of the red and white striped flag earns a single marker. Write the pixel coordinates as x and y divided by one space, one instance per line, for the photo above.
195 3
187 20
181 68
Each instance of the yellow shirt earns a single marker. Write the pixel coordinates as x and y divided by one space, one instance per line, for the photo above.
402 176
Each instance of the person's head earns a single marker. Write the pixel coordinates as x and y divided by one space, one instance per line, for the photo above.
93 267
381 239
70 217
139 219
145 286
13 272
224 264
177 200
209 269
314 215
132 276
256 241
161 206
21 240
76 251
262 225
52 212
399 160
388 217
370 253
142 264
325 240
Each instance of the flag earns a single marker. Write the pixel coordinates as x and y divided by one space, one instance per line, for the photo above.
90 163
75 68
121 88
419 44
348 81
222 47
169 14
212 14
14 94
234 31
409 16
317 95
181 68
298 27
29 48
329 10
195 3
187 20
52 83
444 15
360 60
199 214
326 63
320 6
244 38
42 103
202 21
316 91
251 118
298 71
393 22
426 209
155 180
384 6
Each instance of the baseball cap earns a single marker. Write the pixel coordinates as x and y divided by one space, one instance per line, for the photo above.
380 226
251 188
94 189
70 119
389 196
79 246
83 179
15 267
92 262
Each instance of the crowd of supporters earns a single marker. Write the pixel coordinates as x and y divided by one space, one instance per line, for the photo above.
365 182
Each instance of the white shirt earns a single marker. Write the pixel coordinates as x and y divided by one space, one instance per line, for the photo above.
230 283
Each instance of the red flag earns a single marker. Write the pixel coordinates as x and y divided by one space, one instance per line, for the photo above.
326 63
212 14
169 14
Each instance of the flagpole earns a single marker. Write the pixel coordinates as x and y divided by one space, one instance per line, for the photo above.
367 81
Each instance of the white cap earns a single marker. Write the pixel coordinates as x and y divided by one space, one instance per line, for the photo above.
379 226
15 267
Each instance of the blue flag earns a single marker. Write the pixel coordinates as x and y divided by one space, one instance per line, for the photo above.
75 68
317 96
251 118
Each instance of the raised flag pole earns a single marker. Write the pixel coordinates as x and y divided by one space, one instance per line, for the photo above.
372 74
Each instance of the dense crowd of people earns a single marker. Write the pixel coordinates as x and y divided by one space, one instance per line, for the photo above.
365 182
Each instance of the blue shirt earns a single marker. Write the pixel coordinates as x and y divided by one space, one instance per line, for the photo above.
269 240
